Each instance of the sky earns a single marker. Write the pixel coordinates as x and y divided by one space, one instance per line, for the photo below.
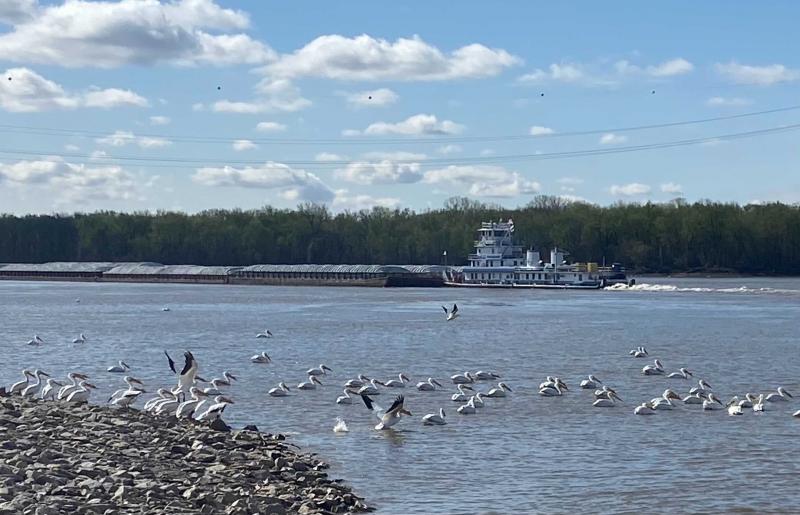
200 104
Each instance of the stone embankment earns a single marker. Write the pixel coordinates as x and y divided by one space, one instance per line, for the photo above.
60 458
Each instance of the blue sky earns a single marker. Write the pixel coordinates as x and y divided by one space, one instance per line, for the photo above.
196 104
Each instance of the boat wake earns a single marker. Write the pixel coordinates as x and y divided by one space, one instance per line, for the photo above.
674 288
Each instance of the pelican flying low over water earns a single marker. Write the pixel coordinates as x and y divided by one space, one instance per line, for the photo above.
452 314
390 417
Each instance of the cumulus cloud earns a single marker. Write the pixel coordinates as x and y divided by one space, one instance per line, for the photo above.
241 145
159 120
564 72
344 201
271 95
671 187
125 138
79 33
568 184
610 138
16 11
364 58
630 190
29 92
328 157
291 183
449 149
381 172
270 127
372 98
677 66
417 125
538 130
727 102
483 180
759 75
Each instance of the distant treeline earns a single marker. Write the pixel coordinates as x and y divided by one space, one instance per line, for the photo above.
673 237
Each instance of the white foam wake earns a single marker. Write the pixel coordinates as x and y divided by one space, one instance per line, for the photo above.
674 288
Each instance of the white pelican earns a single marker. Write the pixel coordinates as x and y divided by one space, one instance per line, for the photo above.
127 398
311 384
500 391
638 352
465 378
357 383
186 408
20 385
452 314
81 394
432 419
265 334
133 384
261 358
479 399
389 417
119 368
280 391
80 339
49 391
608 402
551 382
554 390
165 309
33 389
733 406
344 398
759 404
702 387
215 410
225 380
188 374
682 373
319 371
665 401
461 396
748 400
486 376
644 409
468 408
604 392
161 394
695 398
708 404
653 370
796 413
36 340
590 382
429 385
65 391
371 388
168 405
397 383
781 395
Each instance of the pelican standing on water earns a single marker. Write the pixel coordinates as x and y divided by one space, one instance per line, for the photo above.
390 417
452 314
432 419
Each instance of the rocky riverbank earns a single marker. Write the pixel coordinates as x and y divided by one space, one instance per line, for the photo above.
59 458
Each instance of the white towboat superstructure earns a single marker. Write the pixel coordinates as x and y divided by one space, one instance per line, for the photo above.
498 262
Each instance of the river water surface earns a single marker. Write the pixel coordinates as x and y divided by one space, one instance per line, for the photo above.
522 454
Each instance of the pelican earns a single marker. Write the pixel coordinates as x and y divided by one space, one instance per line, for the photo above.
36 340
81 394
465 378
432 419
188 374
345 398
608 402
452 314
551 382
781 395
389 417
682 373
695 398
708 404
500 391
653 370
734 408
261 358
226 379
554 390
133 384
357 383
119 368
49 391
19 386
186 408
215 410
319 371
604 392
748 400
311 384
590 382
468 408
33 389
371 388
265 334
279 391
759 404
170 404
644 409
429 385
65 391
127 398
486 376
461 396
479 399
796 413
702 387
161 394
165 309
665 401
395 383
80 339
639 352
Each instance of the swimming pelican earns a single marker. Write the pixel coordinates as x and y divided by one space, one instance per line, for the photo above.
639 352
452 314
708 404
186 408
429 385
608 402
748 400
36 340
215 410
479 399
551 382
357 383
319 371
590 382
644 409
345 398
465 378
265 334
188 374
280 391
781 395
486 376
49 391
468 408
682 373
604 392
165 309
311 384
653 370
20 385
395 383
500 391
759 404
81 394
461 396
796 413
553 390
432 419
389 417
133 384
66 390
261 358
33 389
695 398
225 380
702 387
119 368
80 339
733 406
665 401
371 388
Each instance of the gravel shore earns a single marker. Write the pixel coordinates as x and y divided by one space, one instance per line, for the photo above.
60 458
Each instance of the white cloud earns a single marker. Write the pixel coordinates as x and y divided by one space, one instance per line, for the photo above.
364 58
79 33
573 198
271 95
16 11
671 187
351 132
328 156
97 155
27 91
198 106
610 138
727 102
483 180
343 201
292 184
381 172
372 98
270 127
124 138
570 181
564 72
486 152
630 190
449 149
159 120
417 125
672 67
759 75
71 148
538 130
241 145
